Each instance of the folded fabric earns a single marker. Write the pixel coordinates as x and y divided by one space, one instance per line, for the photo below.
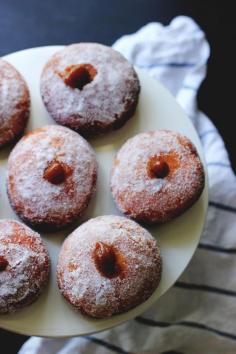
197 315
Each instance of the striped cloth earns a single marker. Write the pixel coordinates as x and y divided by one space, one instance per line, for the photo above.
198 315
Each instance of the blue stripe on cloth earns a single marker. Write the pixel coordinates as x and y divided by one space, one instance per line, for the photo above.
188 87
172 352
212 248
222 207
107 345
210 131
170 65
207 288
218 164
191 324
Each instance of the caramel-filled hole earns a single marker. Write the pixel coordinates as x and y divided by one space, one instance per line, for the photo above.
157 167
77 76
109 261
3 263
56 172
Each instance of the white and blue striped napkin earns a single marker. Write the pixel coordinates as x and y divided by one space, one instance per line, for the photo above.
198 315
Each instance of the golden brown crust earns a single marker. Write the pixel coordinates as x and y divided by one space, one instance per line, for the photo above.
28 264
108 265
14 103
52 175
102 103
143 196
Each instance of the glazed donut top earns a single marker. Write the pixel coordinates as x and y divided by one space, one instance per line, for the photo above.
24 264
155 174
81 276
113 86
51 173
14 99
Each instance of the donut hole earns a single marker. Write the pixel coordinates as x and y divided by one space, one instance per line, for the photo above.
157 167
163 165
77 76
109 261
56 172
3 263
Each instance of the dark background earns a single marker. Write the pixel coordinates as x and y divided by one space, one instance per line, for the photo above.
25 24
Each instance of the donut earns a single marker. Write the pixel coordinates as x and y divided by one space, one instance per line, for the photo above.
24 266
14 103
51 177
156 176
107 266
90 88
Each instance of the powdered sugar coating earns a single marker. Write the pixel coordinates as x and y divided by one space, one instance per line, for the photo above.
28 265
14 103
156 199
86 288
39 202
103 104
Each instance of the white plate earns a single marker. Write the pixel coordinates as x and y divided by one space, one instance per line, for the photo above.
51 315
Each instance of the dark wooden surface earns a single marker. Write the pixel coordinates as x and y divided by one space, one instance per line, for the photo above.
29 23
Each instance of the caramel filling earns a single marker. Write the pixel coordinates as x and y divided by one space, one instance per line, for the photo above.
109 262
3 263
157 167
56 172
77 76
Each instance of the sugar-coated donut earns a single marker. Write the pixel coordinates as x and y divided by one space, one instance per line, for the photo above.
14 103
51 177
156 176
90 88
24 266
108 265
